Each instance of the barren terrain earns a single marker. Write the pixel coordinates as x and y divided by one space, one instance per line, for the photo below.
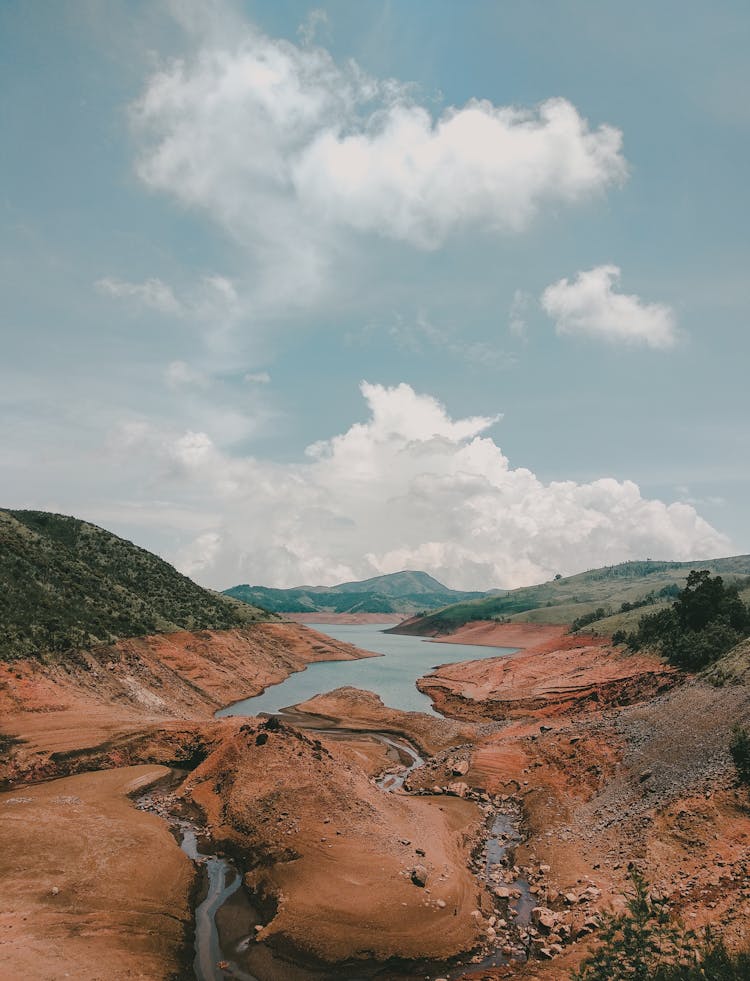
608 759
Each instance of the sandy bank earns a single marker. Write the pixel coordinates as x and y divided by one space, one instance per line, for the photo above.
92 887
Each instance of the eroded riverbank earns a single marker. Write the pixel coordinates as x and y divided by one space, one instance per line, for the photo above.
222 953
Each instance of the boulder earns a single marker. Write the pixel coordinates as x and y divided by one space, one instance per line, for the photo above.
458 789
543 917
419 875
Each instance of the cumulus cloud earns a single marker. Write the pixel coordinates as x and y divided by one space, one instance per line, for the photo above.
590 306
289 150
409 487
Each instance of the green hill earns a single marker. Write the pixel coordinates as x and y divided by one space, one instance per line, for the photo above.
65 583
603 600
399 592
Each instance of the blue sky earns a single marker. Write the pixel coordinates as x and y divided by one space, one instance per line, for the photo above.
218 220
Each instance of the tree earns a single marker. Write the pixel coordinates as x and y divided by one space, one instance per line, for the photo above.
707 620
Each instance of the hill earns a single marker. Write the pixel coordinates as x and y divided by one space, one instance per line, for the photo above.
65 583
398 592
602 600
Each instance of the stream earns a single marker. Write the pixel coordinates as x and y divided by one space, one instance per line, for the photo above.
225 918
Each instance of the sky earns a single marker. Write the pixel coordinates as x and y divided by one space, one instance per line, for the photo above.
302 294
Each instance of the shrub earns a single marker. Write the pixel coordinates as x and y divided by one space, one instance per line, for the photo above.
637 942
645 944
740 750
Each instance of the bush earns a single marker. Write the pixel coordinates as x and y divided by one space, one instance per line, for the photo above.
645 944
637 942
586 618
740 750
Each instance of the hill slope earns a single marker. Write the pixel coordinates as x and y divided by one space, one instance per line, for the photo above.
399 592
607 599
66 583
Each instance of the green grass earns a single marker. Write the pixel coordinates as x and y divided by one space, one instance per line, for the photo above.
567 599
66 584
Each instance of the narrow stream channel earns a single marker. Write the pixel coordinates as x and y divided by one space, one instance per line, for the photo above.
225 918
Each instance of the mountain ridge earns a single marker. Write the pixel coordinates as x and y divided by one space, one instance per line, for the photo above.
408 591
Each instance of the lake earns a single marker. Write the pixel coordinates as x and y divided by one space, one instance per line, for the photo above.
393 676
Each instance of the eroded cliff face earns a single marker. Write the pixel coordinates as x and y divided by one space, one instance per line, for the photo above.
97 700
554 673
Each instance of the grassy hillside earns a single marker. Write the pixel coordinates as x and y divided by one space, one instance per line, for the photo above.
607 599
399 592
65 583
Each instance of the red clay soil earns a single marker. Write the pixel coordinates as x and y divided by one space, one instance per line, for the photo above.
90 698
611 759
555 672
92 888
489 633
334 854
363 711
640 773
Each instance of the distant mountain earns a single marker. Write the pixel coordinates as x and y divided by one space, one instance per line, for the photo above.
65 583
604 600
399 592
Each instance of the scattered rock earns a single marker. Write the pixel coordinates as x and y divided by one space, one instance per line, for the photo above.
458 789
419 875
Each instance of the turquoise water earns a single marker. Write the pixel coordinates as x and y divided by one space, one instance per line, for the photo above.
393 676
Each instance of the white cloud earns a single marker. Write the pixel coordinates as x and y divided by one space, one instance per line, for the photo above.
151 293
290 151
421 334
179 374
409 488
517 318
257 378
309 28
590 306
212 298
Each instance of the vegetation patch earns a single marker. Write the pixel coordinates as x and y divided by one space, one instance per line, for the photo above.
707 620
646 944
66 584
740 751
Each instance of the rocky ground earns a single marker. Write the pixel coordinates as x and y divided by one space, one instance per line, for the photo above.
589 759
